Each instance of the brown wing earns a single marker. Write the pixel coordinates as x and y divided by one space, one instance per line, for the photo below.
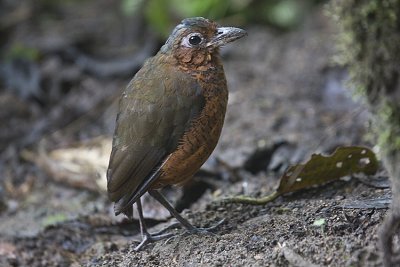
155 110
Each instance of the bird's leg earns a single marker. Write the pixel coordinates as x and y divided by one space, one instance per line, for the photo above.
142 223
190 228
146 236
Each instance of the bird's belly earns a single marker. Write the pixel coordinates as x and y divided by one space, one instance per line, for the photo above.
195 147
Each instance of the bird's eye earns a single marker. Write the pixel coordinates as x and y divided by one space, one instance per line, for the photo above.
194 40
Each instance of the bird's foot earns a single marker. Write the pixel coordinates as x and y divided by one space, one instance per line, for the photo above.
149 238
389 229
200 230
160 235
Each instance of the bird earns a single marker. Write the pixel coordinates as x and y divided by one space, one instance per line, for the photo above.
170 120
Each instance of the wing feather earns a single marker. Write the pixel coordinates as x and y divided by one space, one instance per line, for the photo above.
156 109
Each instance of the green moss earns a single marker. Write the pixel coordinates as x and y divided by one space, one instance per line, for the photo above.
369 45
388 127
22 52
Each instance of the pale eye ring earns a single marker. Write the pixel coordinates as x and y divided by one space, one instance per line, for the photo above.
192 40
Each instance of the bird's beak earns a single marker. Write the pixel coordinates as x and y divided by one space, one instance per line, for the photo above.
226 35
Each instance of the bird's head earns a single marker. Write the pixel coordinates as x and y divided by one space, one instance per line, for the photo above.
196 41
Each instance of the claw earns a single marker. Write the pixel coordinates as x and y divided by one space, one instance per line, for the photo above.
190 229
149 238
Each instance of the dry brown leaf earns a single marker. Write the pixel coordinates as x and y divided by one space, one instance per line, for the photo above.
82 165
320 170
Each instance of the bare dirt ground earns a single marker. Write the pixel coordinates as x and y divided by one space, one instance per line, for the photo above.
288 99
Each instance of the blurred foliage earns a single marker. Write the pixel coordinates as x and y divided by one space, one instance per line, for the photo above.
20 51
54 219
369 44
162 15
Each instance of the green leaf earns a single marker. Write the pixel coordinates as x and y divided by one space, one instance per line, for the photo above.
21 51
319 222
54 219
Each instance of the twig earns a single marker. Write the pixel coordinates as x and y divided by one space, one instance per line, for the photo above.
252 200
117 68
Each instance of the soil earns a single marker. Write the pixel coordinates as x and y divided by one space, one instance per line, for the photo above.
288 99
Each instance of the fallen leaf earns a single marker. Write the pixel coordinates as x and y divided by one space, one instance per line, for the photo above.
319 170
82 165
7 250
